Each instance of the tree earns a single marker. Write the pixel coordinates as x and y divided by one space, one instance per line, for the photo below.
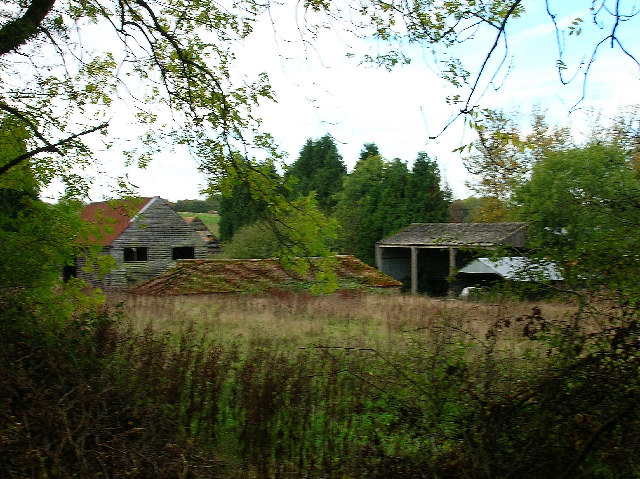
465 210
502 157
319 169
369 149
36 238
427 200
391 211
192 206
239 205
356 209
583 208
381 197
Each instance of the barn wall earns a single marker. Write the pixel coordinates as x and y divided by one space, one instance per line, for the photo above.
157 228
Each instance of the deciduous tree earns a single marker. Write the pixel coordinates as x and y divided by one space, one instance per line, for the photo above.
583 208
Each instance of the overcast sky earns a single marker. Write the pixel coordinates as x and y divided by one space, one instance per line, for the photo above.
322 92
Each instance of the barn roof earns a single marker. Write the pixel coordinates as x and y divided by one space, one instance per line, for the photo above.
458 235
114 217
239 275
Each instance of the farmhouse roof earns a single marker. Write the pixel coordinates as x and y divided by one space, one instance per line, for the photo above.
458 235
114 217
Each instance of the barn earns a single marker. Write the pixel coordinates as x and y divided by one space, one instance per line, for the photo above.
144 236
426 256
213 243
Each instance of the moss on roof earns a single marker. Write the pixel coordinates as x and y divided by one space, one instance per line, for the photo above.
459 235
253 275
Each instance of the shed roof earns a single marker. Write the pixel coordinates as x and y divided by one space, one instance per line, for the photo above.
113 217
517 268
458 235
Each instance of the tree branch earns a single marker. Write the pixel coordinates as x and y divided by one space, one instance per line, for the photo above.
18 31
51 148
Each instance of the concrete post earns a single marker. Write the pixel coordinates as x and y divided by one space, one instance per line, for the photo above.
414 270
452 267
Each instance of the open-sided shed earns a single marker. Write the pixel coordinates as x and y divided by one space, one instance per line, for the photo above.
424 256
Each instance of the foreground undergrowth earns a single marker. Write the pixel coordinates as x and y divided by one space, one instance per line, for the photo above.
522 395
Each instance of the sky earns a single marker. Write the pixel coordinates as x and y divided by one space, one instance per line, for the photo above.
321 91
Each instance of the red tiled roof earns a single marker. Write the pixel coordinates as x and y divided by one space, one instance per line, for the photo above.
112 217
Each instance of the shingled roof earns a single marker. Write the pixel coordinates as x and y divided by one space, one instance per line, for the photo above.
113 217
458 235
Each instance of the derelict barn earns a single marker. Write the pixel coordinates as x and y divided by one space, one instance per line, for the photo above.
144 236
213 243
426 256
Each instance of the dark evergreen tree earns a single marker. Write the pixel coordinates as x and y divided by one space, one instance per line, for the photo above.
319 169
380 198
356 208
369 149
391 213
238 207
426 200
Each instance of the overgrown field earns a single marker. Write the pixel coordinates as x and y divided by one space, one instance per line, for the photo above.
340 386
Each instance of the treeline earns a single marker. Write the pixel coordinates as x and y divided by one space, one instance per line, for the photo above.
211 204
376 199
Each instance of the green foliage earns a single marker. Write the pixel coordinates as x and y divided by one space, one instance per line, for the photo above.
240 201
380 197
356 208
467 210
36 238
502 157
427 200
318 169
256 240
582 207
193 206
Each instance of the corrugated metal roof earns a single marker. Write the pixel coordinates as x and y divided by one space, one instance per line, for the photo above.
516 268
113 217
459 235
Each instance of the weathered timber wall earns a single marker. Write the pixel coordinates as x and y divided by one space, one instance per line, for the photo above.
157 228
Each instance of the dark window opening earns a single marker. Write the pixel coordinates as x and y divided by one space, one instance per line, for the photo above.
183 252
68 272
135 254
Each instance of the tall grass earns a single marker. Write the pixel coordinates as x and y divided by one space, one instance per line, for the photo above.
349 318
341 386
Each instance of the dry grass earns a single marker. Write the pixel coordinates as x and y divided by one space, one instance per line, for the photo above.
345 319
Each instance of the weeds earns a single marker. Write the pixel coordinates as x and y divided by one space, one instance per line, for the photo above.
303 386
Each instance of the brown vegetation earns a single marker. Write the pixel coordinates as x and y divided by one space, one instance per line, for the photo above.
349 317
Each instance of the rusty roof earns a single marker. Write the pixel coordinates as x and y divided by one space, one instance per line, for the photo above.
458 235
195 276
112 218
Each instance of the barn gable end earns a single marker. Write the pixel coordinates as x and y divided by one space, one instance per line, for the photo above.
144 237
